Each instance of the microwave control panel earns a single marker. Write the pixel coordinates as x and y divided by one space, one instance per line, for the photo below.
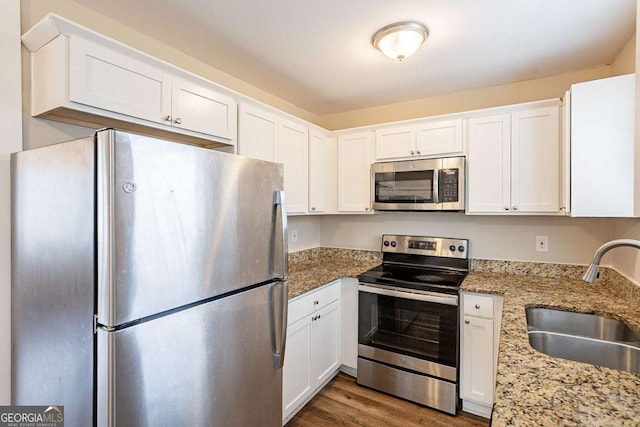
448 185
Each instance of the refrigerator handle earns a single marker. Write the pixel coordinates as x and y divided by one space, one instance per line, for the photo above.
281 205
278 307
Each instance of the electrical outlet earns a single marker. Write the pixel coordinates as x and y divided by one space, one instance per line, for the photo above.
542 243
294 236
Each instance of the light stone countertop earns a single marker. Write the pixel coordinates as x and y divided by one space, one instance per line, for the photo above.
313 268
533 389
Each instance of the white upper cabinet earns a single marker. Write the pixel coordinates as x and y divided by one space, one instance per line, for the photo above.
266 135
105 78
323 170
440 138
489 164
82 77
604 155
424 139
354 172
198 107
257 133
292 149
535 160
395 142
514 161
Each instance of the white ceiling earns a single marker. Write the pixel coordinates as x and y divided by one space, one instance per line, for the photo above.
317 53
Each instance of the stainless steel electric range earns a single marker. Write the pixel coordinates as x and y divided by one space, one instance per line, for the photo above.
408 320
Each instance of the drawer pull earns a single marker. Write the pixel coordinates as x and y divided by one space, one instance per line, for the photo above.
466 321
478 306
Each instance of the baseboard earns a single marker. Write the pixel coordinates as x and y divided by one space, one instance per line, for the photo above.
480 409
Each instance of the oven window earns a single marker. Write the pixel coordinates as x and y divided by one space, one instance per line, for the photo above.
414 328
404 187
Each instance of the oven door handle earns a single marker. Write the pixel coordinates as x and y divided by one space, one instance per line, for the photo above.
403 293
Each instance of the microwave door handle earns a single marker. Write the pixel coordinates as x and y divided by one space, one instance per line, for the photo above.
436 186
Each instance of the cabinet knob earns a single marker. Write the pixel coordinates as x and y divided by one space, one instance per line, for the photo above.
313 208
478 306
366 209
316 302
319 316
417 151
506 208
412 152
562 208
515 208
178 121
466 321
168 118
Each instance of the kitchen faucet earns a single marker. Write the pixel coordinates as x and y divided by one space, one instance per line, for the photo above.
592 272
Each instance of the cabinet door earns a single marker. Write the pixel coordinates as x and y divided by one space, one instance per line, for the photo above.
349 304
293 145
103 78
257 133
395 142
439 138
489 152
603 148
326 342
198 107
322 171
297 378
535 160
354 172
477 360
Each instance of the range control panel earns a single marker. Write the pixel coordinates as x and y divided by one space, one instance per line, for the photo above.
421 245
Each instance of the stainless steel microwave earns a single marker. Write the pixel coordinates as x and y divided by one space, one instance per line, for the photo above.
419 185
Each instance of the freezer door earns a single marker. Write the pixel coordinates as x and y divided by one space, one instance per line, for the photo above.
209 365
178 224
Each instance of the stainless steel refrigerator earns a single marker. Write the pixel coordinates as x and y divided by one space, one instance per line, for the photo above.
148 283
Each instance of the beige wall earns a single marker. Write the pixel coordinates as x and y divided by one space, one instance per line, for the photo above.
625 62
571 240
627 260
308 228
530 90
10 142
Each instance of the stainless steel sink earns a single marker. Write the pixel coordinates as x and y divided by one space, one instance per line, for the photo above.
584 325
584 338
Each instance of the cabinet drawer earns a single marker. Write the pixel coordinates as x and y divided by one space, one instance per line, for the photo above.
307 303
478 305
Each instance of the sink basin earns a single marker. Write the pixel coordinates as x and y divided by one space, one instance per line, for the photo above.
580 324
584 338
615 355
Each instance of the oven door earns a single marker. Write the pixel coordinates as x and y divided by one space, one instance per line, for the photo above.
413 330
406 185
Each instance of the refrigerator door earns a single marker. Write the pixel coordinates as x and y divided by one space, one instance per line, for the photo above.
208 365
53 276
178 224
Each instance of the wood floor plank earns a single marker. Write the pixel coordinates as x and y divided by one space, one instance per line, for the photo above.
344 403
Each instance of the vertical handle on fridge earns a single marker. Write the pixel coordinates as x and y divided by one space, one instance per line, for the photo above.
280 205
278 306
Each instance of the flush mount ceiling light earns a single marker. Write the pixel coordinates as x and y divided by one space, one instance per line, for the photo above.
400 40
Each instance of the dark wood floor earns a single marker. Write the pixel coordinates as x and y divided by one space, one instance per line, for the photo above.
344 403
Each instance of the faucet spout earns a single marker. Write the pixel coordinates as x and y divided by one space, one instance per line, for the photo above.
592 272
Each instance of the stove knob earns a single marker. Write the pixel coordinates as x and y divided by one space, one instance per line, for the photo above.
452 248
393 244
461 248
386 243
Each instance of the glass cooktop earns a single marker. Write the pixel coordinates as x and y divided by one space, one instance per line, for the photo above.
420 278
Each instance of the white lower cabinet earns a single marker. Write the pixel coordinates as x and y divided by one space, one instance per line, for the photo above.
481 317
313 354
